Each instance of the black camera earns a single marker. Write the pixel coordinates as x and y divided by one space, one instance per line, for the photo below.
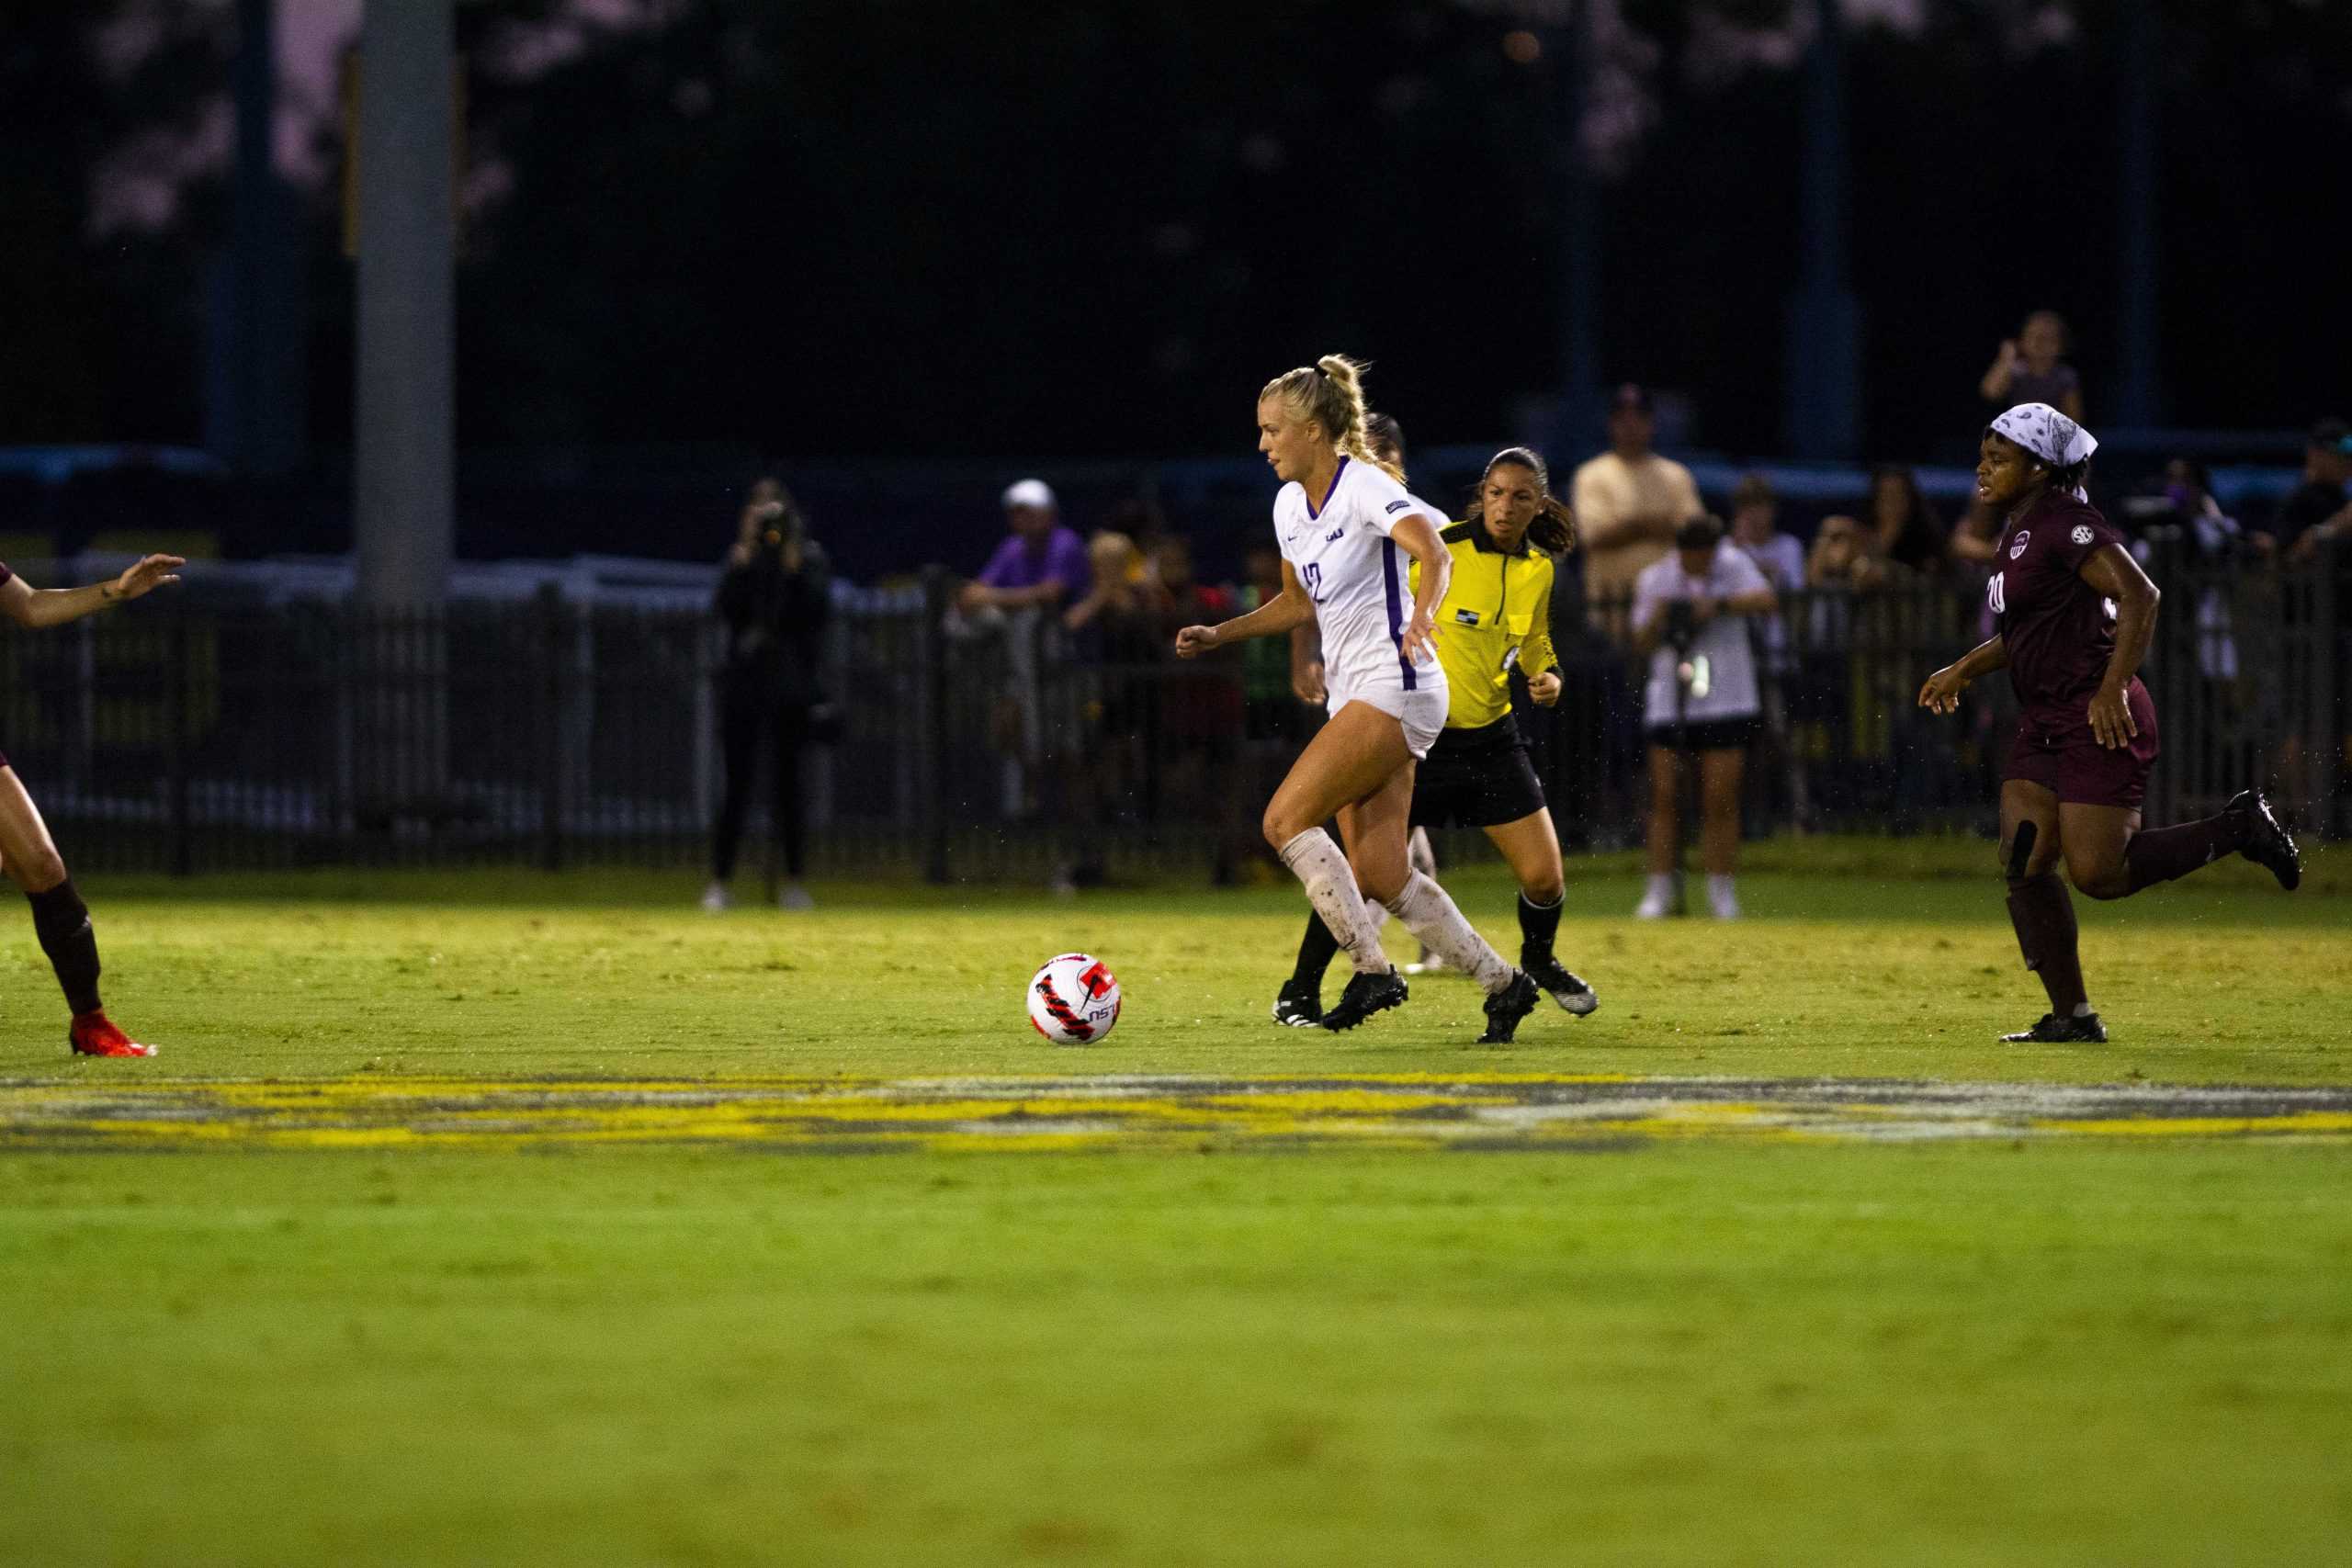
1681 627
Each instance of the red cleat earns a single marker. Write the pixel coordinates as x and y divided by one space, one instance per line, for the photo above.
95 1034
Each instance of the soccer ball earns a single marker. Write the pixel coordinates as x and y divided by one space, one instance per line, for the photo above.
1073 1000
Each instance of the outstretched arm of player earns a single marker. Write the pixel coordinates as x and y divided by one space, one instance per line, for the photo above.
29 606
2111 572
1941 692
1289 608
1417 536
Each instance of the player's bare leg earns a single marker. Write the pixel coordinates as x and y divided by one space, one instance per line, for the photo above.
1663 835
2109 855
2042 914
1353 757
61 920
1531 846
1720 771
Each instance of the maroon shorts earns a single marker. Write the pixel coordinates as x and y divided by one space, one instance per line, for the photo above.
2060 753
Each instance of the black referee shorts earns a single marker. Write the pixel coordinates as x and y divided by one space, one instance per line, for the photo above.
1476 778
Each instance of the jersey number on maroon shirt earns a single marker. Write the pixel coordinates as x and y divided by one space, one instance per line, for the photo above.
1997 595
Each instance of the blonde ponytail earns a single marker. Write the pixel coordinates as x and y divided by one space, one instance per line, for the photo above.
1330 392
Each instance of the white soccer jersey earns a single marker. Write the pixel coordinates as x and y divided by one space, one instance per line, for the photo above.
1356 575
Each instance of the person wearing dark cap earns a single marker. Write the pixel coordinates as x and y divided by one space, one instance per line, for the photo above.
2316 508
1628 501
1691 613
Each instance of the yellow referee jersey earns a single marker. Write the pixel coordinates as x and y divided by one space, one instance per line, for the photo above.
1496 604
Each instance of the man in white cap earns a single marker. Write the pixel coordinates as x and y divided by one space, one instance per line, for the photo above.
1039 563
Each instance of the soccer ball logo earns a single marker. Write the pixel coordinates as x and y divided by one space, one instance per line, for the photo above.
1074 1000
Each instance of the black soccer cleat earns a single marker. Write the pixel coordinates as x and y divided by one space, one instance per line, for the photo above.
1507 1006
1563 987
2267 844
1299 1004
2083 1029
1366 995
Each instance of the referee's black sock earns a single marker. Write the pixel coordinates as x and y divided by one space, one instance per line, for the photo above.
62 923
1316 951
1538 924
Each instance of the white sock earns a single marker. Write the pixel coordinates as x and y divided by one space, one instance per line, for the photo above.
1718 886
1431 915
2082 1010
1376 912
1662 886
1331 888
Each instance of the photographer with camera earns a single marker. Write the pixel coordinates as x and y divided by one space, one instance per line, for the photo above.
773 598
1692 616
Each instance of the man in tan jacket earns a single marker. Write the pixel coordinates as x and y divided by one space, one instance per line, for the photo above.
1629 501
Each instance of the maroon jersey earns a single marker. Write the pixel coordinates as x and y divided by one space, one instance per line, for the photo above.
2059 631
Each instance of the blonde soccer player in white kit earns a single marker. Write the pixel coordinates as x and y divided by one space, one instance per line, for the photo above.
1349 534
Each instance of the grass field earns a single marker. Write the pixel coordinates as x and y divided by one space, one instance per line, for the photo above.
373 1312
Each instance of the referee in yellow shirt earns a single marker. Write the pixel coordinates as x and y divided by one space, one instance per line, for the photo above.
1496 614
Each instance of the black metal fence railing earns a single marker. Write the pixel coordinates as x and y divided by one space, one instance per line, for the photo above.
185 738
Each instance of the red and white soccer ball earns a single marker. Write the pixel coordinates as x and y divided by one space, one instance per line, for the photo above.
1074 1000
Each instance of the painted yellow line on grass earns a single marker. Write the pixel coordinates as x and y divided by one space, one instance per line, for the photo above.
1422 1110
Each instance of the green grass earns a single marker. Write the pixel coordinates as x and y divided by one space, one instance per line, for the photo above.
1698 1353
2060 1351
2218 978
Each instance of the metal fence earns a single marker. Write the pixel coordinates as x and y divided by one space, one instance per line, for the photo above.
189 737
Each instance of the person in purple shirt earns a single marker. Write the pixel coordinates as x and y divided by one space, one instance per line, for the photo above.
2073 616
1040 562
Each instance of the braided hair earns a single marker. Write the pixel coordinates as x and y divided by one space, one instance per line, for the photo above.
1553 531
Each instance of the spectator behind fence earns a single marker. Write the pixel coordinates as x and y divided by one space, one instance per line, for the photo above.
773 600
1690 616
1905 530
1755 529
1114 632
2316 508
1628 501
1039 565
2031 368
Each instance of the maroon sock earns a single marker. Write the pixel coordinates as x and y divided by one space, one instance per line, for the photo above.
2044 918
62 924
2160 854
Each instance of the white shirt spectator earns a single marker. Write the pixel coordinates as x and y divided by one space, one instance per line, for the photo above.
1781 560
1723 642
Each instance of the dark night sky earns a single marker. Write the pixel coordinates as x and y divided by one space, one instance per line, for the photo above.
846 227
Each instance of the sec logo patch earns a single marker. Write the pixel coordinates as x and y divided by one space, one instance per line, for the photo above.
2017 546
2082 533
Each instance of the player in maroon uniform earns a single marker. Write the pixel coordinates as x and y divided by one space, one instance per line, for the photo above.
27 852
2073 613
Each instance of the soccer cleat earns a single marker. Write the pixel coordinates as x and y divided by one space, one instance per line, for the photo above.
715 899
1299 1004
2082 1029
2267 844
794 897
1366 995
1565 989
95 1034
1654 906
1507 1006
1723 903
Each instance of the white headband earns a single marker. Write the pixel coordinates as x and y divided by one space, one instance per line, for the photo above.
2047 434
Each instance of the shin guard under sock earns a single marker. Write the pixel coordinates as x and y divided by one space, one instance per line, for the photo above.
61 922
1316 951
2044 917
1538 924
1331 888
2160 854
1430 914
